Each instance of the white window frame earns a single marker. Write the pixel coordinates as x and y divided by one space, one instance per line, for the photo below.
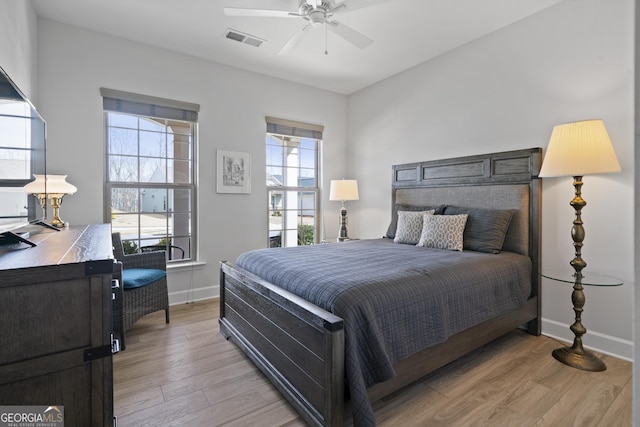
145 107
291 133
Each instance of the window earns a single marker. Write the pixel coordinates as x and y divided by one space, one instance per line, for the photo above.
150 174
292 182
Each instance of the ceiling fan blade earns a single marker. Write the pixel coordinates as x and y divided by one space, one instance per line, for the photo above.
349 34
268 13
348 5
295 40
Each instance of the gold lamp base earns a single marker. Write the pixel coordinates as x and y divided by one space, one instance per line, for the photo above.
579 358
56 201
576 356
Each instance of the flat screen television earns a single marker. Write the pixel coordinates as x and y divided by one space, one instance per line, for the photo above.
22 155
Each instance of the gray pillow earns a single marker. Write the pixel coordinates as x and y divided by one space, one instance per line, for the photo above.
486 228
410 226
391 230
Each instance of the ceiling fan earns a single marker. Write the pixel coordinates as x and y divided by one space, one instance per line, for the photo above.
317 13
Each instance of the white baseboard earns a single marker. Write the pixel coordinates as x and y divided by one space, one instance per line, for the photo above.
196 294
593 340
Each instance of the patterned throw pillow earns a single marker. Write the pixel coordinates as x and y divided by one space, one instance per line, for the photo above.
443 231
393 225
409 226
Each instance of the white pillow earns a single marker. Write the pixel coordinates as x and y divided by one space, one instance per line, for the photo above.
410 226
443 231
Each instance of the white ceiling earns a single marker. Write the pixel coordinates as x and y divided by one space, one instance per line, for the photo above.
405 33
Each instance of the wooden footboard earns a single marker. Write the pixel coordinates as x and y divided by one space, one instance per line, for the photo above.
300 347
297 345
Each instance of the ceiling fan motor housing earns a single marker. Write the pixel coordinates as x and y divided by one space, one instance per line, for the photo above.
326 4
309 6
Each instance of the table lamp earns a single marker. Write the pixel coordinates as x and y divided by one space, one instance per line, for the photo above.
53 187
343 190
577 149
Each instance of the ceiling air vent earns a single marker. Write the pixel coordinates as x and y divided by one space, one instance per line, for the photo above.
242 37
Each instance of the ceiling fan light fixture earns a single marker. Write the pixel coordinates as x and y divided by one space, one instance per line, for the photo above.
317 18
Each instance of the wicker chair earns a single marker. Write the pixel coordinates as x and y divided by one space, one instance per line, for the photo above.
141 300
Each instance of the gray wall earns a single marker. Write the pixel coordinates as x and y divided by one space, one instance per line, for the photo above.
18 45
74 63
506 91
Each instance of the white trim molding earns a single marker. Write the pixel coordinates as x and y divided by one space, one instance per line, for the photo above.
592 340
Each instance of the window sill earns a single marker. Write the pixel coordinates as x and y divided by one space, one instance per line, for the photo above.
186 266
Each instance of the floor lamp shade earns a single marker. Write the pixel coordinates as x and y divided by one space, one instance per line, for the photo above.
578 149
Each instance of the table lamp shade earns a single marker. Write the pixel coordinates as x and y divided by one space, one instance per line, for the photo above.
344 189
55 184
578 149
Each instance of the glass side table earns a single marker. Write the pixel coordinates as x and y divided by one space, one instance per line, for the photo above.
576 356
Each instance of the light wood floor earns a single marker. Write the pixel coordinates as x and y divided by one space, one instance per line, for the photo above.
186 374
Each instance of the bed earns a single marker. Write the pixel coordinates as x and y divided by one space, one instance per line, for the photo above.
317 345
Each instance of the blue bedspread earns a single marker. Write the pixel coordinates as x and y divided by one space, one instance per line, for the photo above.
395 299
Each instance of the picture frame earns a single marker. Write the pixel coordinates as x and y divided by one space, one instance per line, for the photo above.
233 172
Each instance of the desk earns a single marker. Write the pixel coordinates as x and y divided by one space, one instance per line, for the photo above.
576 356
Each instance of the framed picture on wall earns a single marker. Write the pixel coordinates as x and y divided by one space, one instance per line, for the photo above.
234 172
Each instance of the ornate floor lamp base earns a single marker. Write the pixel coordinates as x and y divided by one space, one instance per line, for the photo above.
579 358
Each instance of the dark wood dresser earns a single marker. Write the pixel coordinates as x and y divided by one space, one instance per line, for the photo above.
56 323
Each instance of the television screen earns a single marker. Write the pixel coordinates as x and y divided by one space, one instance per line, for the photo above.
22 155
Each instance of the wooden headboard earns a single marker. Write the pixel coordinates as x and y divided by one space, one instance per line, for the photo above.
505 180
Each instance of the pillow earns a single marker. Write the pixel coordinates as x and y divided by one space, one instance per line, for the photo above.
137 277
486 228
410 226
391 230
443 231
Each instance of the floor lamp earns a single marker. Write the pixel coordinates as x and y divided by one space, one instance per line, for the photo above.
343 190
577 149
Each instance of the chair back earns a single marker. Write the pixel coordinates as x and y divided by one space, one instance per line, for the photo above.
174 252
118 251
